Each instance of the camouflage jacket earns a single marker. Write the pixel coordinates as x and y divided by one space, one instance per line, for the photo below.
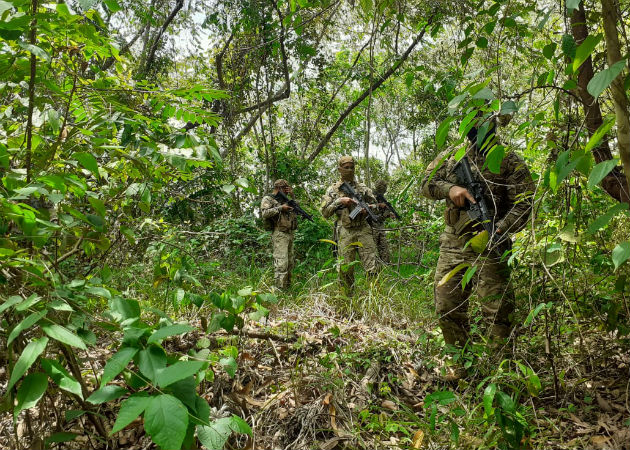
331 205
271 212
508 193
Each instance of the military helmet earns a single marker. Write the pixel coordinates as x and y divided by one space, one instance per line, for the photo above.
380 187
345 159
280 183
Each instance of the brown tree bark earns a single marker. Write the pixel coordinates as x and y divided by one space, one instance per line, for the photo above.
613 50
615 183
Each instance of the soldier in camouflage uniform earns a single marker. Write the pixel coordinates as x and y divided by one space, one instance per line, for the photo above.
380 187
282 221
349 231
509 193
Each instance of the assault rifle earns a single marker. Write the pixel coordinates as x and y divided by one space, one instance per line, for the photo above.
283 199
479 211
381 199
347 189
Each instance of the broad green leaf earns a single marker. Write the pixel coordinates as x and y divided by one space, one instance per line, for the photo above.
228 188
171 330
151 361
454 103
572 4
508 107
230 365
452 273
35 50
28 322
470 272
26 359
484 94
609 121
166 421
620 254
13 300
506 403
440 397
30 391
112 5
215 435
467 123
117 363
533 313
4 6
88 161
87 4
549 50
100 291
554 254
238 425
129 410
178 371
30 301
98 206
62 436
488 398
603 220
442 131
584 50
600 171
494 158
106 394
122 309
479 242
61 377
63 335
602 80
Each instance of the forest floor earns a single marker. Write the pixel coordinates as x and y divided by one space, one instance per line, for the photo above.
311 378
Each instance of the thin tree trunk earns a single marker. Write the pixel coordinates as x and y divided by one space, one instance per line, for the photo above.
610 17
615 183
31 93
381 79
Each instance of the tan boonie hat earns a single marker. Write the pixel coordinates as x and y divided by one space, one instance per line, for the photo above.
280 183
345 159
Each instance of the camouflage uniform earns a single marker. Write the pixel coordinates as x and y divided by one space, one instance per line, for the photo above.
284 224
383 214
349 232
508 194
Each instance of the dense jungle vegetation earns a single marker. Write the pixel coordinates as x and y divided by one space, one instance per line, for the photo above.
137 139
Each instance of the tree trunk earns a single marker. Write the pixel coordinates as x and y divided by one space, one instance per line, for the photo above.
614 183
610 18
31 93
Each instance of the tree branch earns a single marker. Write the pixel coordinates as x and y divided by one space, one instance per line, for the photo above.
373 87
156 41
125 48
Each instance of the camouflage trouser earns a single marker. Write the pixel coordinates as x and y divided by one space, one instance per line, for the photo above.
493 287
283 260
347 252
381 244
